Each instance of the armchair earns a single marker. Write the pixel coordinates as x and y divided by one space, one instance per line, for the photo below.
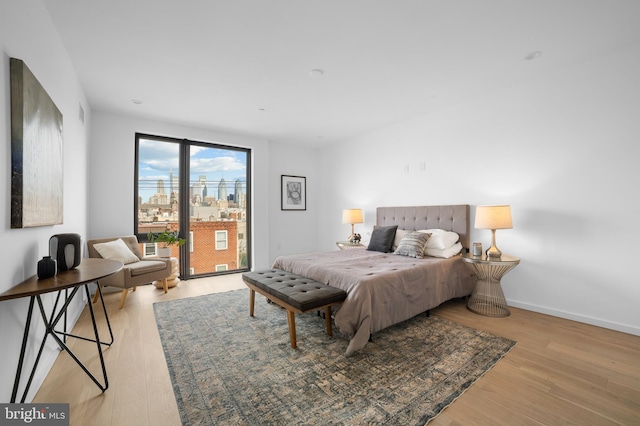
137 270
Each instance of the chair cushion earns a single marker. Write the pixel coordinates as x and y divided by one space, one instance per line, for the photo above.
146 266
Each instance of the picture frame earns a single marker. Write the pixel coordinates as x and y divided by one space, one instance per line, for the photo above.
293 192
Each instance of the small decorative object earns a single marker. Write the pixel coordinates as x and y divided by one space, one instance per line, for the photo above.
355 238
46 268
294 192
493 217
167 239
477 249
66 250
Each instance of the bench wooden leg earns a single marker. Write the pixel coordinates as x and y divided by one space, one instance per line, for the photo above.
291 317
252 301
327 318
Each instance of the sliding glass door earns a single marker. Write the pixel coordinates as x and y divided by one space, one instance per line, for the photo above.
200 191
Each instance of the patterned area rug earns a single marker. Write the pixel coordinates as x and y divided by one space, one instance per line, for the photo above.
229 368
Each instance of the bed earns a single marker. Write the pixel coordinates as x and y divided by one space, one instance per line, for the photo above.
385 288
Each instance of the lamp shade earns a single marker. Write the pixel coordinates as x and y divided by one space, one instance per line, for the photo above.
493 217
352 216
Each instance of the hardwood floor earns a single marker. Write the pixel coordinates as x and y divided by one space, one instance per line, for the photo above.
560 372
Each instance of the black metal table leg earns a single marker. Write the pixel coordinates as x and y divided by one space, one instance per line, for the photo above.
50 323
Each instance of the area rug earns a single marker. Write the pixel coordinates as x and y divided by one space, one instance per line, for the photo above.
229 368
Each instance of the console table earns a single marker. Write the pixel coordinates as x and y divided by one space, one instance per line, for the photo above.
88 272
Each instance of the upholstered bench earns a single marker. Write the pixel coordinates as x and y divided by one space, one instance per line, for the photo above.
295 293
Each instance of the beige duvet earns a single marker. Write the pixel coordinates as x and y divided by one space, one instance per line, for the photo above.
383 288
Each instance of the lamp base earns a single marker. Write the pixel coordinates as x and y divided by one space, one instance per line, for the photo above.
493 253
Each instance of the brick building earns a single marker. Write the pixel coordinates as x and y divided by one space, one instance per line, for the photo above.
213 245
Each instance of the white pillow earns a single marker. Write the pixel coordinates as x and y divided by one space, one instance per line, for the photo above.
446 253
396 240
440 239
116 250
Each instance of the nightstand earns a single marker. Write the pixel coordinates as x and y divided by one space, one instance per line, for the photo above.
487 297
345 245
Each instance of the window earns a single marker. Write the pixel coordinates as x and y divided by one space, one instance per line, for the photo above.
221 240
221 268
150 249
199 190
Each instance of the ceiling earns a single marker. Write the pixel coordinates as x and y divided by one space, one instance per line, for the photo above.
244 66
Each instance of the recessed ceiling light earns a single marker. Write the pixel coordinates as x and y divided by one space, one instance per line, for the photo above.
533 55
317 72
136 101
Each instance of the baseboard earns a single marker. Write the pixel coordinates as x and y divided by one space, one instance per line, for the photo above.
624 328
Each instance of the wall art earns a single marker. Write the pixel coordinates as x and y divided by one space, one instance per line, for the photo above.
294 192
36 152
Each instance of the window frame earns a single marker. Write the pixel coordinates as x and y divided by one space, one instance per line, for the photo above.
186 271
226 239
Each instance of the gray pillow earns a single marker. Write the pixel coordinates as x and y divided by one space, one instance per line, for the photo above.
382 238
413 244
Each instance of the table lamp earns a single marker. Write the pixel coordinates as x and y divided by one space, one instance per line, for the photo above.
352 216
493 217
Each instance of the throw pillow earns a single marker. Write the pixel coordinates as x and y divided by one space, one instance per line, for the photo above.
116 250
382 238
413 244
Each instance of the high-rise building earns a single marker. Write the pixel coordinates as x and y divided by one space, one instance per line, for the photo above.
200 188
237 192
222 190
239 196
173 182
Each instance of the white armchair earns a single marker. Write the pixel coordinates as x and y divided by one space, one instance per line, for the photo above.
137 270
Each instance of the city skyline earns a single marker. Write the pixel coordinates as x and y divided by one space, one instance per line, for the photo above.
159 160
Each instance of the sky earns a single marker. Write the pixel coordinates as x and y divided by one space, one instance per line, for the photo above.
158 158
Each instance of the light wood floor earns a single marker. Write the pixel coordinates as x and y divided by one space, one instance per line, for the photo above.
560 372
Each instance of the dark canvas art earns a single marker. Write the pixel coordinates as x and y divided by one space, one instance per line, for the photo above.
36 152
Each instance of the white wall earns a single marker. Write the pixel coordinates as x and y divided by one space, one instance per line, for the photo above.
27 33
561 150
293 231
111 176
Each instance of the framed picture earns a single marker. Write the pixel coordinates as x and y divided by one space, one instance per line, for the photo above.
294 192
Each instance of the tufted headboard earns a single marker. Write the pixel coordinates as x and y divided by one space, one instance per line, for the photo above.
454 218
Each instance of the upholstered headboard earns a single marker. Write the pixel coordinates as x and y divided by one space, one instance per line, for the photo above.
451 218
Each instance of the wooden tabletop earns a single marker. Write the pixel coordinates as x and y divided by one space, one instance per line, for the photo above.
88 271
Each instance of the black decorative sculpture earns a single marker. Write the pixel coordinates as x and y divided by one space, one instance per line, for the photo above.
66 250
